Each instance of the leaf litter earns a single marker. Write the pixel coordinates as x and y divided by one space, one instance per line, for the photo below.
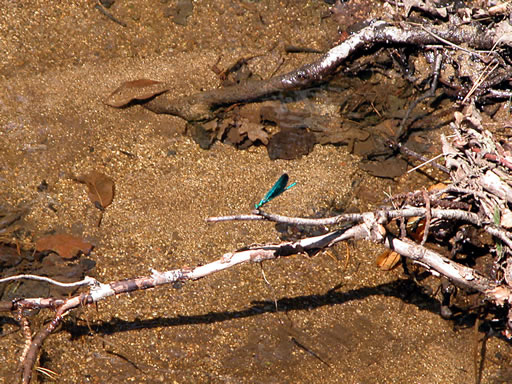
67 246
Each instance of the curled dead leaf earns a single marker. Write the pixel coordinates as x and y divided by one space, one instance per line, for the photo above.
100 188
388 260
67 246
129 91
500 295
417 228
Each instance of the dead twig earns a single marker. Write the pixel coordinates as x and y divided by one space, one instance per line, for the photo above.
428 217
431 93
411 153
106 13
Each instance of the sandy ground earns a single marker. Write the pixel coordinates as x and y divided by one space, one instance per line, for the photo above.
336 325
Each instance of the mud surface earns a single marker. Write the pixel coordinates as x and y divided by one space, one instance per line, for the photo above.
338 322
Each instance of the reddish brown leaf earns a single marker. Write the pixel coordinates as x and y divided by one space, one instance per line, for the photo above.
129 91
418 231
67 246
100 188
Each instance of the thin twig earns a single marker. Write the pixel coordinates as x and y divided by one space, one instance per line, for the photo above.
431 92
34 348
500 94
86 281
484 75
358 217
428 217
403 149
425 163
110 16
234 218
25 328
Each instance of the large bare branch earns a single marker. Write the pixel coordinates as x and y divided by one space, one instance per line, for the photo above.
371 228
201 105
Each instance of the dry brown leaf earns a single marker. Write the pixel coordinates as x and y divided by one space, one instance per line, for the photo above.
100 188
234 136
388 260
129 91
437 187
500 295
67 246
418 230
255 131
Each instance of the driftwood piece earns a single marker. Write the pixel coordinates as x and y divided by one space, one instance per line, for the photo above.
201 106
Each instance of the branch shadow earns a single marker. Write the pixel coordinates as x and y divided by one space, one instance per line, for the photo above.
404 289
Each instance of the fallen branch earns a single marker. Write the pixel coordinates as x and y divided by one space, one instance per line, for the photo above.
370 227
201 106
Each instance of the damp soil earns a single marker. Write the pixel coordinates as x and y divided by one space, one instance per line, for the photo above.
340 319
